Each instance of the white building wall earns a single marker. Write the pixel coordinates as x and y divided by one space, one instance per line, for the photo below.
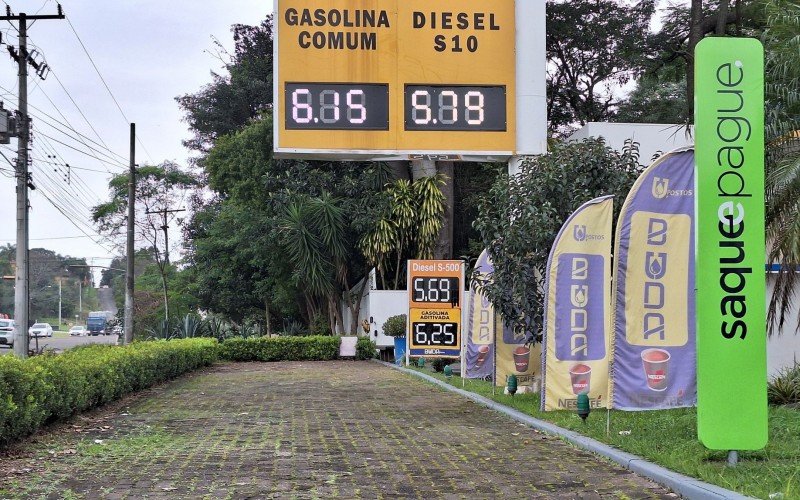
376 307
653 138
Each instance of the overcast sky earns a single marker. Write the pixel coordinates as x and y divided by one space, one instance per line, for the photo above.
148 52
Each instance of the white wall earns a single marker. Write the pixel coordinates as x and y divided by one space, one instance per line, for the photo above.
376 307
382 305
653 138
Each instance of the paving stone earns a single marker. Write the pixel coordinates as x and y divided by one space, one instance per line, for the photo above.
310 430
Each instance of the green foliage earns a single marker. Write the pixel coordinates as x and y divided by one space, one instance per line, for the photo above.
46 270
395 326
784 389
231 101
521 216
314 348
592 49
782 61
438 364
365 349
406 228
49 387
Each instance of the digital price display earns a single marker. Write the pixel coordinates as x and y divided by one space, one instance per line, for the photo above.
435 334
336 106
435 289
383 80
455 107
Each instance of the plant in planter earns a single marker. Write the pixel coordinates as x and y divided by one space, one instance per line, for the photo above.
395 326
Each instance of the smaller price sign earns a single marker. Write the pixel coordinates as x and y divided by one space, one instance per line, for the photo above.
436 332
435 288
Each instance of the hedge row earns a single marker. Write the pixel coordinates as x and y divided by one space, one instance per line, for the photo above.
36 390
313 348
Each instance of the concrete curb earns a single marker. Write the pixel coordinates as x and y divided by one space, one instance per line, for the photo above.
686 486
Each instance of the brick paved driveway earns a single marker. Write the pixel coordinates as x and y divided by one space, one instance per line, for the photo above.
305 430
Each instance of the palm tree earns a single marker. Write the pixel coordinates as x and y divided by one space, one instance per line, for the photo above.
782 61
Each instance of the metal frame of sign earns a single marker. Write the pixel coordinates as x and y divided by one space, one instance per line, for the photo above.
435 269
528 110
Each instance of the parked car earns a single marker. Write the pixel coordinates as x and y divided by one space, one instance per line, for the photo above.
40 330
78 331
7 331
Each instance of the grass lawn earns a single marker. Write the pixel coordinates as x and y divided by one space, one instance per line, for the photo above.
669 438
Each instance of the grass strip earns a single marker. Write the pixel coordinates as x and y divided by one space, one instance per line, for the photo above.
669 438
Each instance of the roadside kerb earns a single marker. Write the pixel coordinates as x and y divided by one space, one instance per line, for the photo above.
686 486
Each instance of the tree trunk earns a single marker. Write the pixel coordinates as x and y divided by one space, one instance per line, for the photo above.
444 247
722 17
399 169
355 308
695 35
267 317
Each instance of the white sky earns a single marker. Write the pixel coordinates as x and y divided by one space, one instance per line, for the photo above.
149 52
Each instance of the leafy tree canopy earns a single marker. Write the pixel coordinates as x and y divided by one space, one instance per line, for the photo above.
521 216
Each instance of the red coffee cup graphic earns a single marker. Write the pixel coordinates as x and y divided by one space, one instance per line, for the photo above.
581 376
522 355
656 368
483 351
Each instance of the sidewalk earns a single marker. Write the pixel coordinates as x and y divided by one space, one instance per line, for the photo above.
306 430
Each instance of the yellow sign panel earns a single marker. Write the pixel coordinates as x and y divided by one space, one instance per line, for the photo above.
394 76
435 291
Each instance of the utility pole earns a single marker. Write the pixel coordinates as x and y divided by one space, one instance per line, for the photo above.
165 227
22 291
59 303
127 336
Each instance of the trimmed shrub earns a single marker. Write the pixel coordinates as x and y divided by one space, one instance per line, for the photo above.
395 326
365 348
314 348
49 387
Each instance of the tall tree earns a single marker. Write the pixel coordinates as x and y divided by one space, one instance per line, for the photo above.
232 99
521 216
593 48
159 189
782 45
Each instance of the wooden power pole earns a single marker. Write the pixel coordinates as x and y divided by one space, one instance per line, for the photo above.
22 285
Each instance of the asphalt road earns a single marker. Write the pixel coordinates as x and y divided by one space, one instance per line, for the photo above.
60 341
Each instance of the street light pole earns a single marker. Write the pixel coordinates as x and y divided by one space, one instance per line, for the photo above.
59 303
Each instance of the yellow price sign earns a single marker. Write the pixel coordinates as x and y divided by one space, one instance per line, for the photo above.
396 78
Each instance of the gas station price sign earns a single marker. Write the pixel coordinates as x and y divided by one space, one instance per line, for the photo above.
435 291
390 79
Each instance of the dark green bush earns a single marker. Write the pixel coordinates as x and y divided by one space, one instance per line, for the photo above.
49 387
365 348
395 326
314 348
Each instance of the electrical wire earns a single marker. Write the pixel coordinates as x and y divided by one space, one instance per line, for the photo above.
67 124
86 51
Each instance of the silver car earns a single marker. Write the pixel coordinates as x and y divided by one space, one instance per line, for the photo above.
40 330
7 331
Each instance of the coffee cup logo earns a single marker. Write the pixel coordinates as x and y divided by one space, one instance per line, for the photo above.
522 356
579 232
483 351
581 376
660 187
656 368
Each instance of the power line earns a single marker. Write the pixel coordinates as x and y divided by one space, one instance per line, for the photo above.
67 124
86 51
